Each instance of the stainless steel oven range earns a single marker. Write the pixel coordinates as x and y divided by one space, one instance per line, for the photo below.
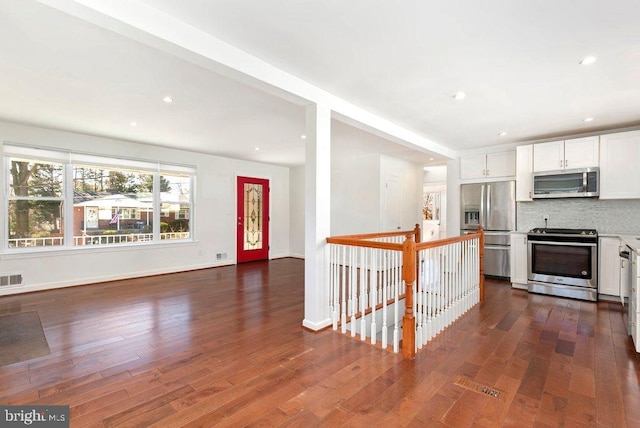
563 262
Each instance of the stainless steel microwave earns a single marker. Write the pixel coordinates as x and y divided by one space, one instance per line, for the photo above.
568 183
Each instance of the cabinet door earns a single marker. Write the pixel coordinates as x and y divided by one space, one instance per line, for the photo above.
581 152
524 173
619 171
609 267
473 166
501 164
519 258
548 156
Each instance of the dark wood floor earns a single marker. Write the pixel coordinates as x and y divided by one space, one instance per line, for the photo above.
225 347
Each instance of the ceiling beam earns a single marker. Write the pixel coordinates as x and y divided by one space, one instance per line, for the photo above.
152 27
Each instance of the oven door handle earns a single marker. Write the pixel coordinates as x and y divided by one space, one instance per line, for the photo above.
566 244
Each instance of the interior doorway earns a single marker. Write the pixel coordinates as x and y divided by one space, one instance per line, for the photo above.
252 219
434 203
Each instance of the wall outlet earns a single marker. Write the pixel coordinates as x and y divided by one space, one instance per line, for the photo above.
545 217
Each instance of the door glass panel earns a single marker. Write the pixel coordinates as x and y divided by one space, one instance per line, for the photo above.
560 260
252 216
562 183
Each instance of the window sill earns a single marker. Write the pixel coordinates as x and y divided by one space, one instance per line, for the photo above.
20 253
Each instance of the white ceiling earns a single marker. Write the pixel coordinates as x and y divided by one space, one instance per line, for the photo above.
516 60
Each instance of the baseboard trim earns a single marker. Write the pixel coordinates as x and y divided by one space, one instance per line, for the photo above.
316 326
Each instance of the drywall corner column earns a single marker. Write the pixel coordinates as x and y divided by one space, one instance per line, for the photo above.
317 216
453 197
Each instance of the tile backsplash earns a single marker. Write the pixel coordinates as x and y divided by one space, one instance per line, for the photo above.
606 216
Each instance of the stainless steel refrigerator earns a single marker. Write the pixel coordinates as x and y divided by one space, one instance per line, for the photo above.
492 206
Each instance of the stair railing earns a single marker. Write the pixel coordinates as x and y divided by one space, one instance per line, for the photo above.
374 279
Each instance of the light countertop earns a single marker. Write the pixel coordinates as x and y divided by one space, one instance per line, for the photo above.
632 241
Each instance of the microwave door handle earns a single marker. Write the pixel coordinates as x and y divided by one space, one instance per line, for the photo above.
584 182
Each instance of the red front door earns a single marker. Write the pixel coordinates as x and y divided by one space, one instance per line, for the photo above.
253 219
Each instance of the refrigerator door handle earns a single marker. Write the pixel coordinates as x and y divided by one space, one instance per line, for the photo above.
488 215
482 223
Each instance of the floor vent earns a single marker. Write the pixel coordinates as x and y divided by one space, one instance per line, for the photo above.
14 279
472 385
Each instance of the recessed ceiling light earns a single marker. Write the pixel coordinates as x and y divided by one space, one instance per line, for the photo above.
168 99
257 149
459 95
134 124
588 60
502 134
587 119
431 159
304 137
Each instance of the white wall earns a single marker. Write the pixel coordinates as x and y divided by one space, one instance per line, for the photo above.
453 198
215 222
435 174
411 175
355 195
296 211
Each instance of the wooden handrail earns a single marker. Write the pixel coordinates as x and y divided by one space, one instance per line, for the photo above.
364 243
377 234
441 242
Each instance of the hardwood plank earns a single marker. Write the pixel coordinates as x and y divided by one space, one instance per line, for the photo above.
225 347
533 381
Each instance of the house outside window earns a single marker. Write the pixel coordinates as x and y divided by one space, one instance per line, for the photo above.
175 205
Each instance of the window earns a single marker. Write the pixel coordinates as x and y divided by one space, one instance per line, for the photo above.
35 203
175 205
102 201
124 199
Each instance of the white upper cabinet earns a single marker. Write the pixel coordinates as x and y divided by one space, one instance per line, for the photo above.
473 166
581 152
620 165
568 154
489 165
524 173
548 156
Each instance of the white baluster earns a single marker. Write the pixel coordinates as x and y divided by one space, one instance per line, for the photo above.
332 286
374 293
364 296
419 304
385 280
396 320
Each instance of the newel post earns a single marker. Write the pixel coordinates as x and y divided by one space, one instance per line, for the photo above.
417 233
481 232
409 277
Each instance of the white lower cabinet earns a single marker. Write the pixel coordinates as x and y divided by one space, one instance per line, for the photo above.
519 260
609 266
